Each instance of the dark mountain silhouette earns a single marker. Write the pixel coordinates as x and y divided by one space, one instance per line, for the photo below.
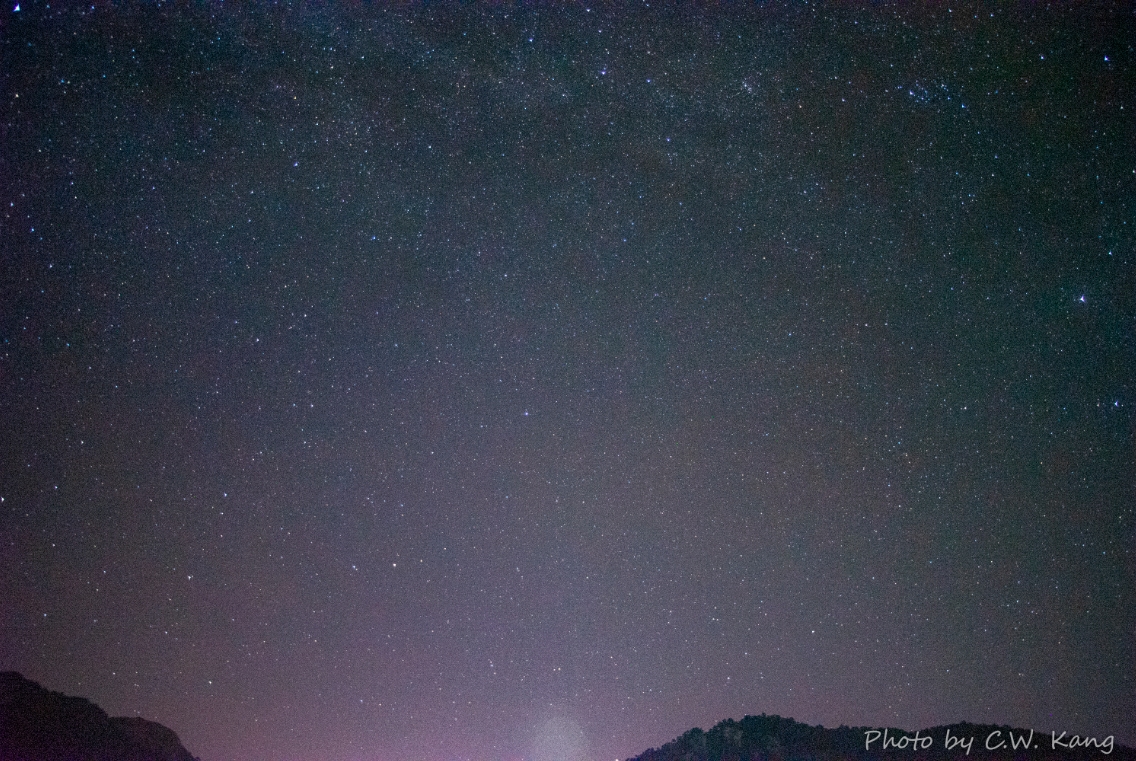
40 725
772 738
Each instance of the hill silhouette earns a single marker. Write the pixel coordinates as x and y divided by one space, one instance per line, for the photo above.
773 738
41 725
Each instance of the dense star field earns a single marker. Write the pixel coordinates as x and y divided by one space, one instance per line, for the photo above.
507 382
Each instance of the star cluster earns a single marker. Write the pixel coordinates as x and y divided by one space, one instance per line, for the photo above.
528 382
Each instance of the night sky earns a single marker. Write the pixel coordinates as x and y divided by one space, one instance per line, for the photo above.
502 383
